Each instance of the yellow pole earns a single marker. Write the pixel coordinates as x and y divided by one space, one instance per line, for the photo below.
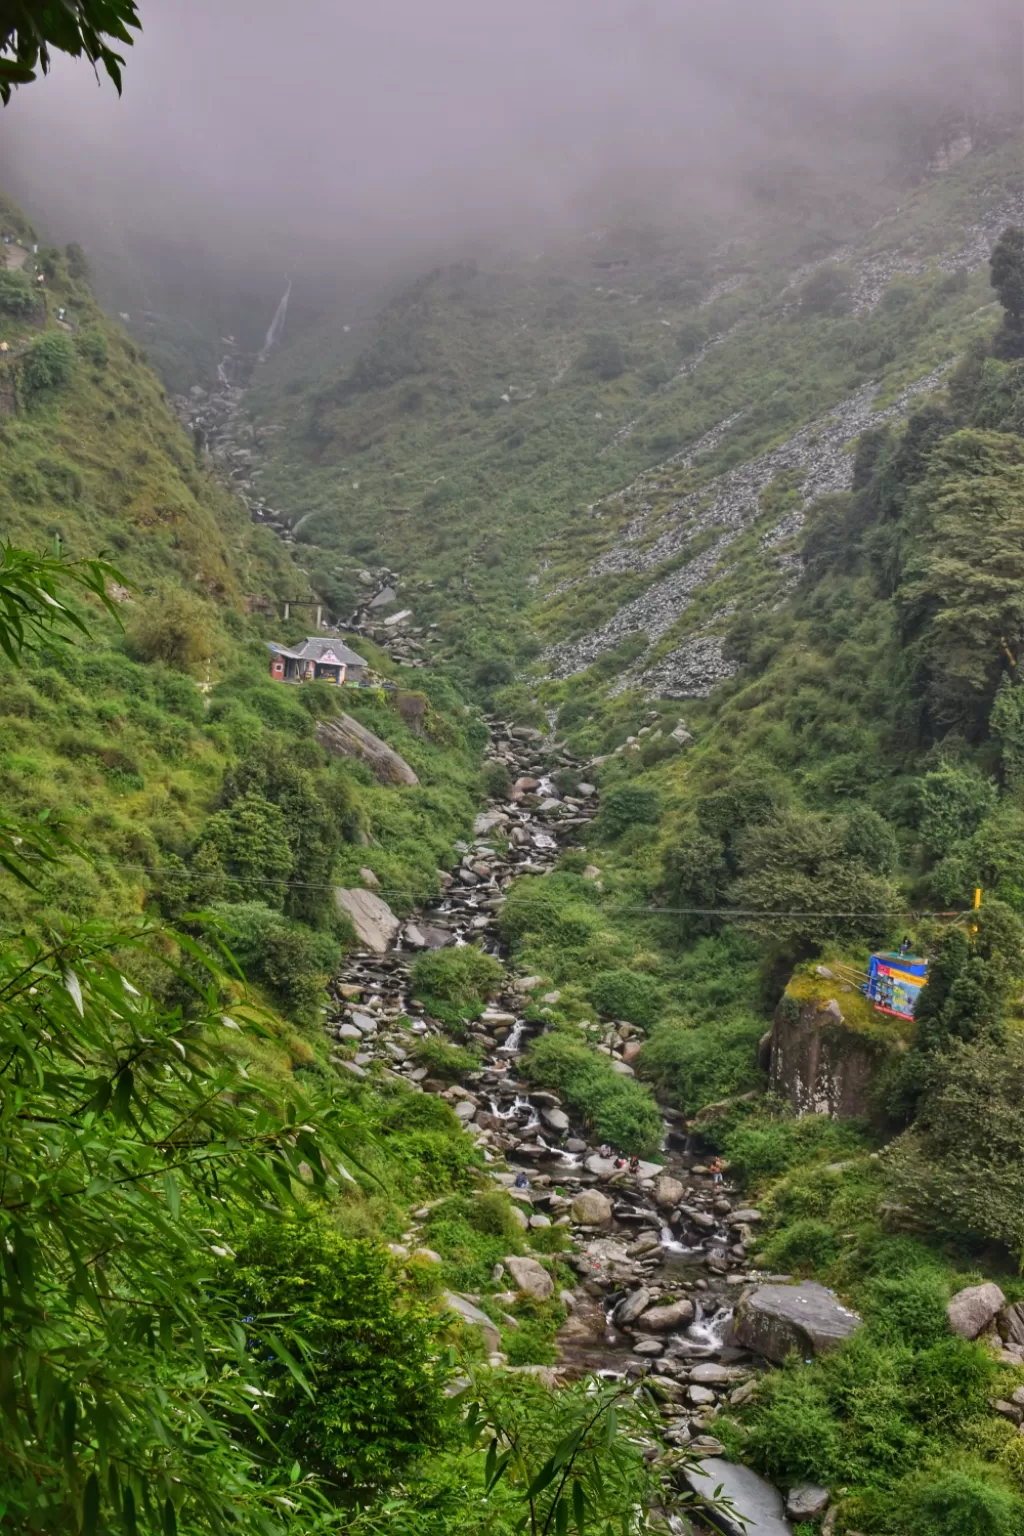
977 898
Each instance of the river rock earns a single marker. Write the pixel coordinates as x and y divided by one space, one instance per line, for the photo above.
708 1374
592 1209
630 1307
676 1314
373 920
775 1320
972 1310
555 1119
807 1501
345 737
668 1191
530 1276
757 1504
473 1315
488 820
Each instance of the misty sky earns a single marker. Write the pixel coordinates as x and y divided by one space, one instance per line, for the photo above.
379 126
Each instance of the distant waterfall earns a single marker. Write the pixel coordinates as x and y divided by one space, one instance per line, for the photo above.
276 325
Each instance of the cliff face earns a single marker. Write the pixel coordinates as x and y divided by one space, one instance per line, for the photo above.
825 1061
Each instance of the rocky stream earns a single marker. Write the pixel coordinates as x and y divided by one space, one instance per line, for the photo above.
666 1288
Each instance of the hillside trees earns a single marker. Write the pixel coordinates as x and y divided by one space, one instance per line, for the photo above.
1007 272
960 597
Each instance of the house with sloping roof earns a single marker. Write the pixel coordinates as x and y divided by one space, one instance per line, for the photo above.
318 659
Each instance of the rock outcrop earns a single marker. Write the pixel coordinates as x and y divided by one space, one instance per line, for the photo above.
530 1276
776 1320
819 1063
345 737
373 920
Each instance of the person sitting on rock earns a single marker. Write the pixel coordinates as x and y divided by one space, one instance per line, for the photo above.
634 1164
521 1181
604 1150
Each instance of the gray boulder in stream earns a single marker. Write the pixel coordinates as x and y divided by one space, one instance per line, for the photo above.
373 920
776 1320
756 1506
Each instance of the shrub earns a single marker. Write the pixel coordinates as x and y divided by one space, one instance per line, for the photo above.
626 995
174 629
826 291
92 344
953 802
805 1245
373 1361
16 293
462 976
698 1064
620 1110
472 1235
627 807
603 355
449 1062
957 1503
909 1309
48 364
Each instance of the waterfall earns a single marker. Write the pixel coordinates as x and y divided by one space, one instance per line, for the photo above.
277 324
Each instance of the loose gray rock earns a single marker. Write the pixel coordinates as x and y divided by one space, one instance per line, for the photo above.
530 1276
663 1319
630 1308
756 1503
555 1119
776 1320
592 1209
807 1501
972 1310
472 1314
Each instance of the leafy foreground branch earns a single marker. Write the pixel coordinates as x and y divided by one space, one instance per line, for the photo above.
128 1142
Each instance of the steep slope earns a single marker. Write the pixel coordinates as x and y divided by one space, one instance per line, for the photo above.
465 439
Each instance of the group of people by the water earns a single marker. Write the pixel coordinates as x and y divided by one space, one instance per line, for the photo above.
620 1162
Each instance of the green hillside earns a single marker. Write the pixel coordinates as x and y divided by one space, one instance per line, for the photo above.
742 519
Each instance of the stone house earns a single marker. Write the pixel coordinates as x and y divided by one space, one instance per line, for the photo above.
317 659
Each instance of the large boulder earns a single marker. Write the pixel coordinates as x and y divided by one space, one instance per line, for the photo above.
776 1320
668 1191
630 1307
755 1506
972 1310
592 1209
472 1314
530 1277
345 737
373 920
676 1314
807 1501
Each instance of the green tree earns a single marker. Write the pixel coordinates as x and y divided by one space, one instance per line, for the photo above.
31 29
625 807
960 597
1006 265
603 355
969 980
250 838
812 884
958 1167
376 1372
826 291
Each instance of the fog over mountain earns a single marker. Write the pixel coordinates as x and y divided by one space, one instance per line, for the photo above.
346 134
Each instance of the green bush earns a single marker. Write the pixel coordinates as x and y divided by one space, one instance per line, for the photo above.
619 1109
294 962
603 355
463 976
805 1245
909 1309
956 1503
373 1357
628 995
625 807
700 1063
472 1235
92 344
48 364
449 1062
17 296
